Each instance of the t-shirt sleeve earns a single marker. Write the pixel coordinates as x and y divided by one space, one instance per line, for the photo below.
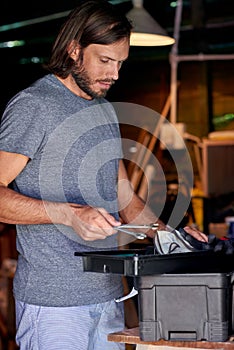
22 128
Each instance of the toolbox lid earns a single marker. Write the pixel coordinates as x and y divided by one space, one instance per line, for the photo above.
131 262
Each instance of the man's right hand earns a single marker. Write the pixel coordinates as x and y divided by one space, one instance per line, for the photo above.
91 223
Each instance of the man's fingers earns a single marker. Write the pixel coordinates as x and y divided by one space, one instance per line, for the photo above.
200 236
108 217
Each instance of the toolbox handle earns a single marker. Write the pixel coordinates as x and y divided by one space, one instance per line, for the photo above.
182 336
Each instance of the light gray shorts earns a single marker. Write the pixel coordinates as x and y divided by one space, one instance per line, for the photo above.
68 328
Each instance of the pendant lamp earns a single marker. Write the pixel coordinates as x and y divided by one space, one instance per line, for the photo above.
146 31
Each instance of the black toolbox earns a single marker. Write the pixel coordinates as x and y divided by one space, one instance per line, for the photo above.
185 307
184 296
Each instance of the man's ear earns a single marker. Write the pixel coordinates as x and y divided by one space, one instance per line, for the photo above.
73 50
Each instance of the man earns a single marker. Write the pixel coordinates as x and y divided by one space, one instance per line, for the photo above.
61 150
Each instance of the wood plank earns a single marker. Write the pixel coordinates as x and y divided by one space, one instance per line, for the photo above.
131 336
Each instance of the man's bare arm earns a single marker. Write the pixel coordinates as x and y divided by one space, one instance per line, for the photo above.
89 223
133 209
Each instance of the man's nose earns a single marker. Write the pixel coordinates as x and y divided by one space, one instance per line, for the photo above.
115 71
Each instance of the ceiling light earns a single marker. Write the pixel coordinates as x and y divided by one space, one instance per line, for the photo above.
146 31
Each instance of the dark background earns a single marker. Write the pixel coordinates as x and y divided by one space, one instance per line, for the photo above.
207 26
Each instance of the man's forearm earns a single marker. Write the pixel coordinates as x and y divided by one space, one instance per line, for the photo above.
89 223
139 213
16 208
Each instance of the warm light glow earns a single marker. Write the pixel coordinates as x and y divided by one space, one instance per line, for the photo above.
146 39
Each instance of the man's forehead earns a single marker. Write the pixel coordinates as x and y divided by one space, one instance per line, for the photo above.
116 51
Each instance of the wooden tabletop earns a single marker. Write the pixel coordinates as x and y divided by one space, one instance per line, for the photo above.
131 336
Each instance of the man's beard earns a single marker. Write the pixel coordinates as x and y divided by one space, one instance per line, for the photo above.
84 82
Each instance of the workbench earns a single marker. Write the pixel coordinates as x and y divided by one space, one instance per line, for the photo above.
131 336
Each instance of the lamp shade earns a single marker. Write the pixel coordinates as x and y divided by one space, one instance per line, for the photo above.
146 31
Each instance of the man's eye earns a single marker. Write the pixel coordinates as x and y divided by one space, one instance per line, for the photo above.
104 60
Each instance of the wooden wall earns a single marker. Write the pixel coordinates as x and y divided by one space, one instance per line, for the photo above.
205 90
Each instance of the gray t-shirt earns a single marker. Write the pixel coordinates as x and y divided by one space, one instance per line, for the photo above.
74 148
